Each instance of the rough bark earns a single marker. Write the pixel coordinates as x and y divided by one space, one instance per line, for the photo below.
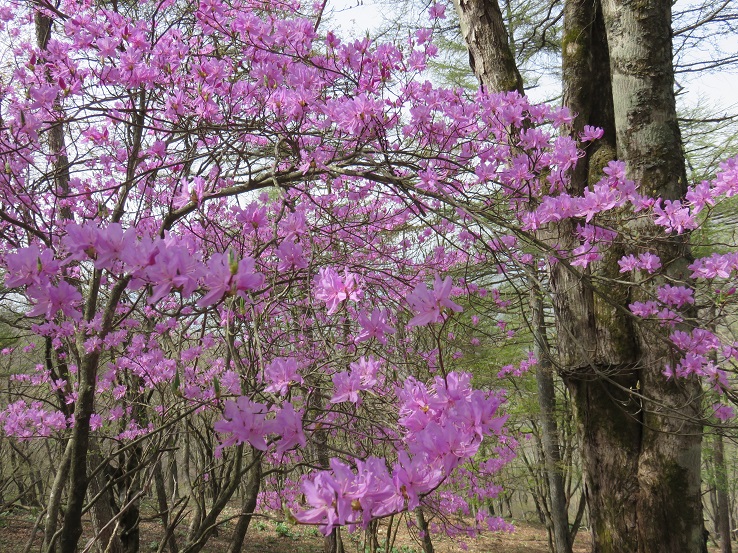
596 342
253 484
550 432
423 529
107 540
610 438
721 483
490 56
648 140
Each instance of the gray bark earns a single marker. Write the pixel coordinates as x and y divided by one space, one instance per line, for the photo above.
253 484
596 342
550 432
107 540
648 140
486 38
721 483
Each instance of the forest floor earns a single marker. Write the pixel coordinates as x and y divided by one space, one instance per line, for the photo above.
270 536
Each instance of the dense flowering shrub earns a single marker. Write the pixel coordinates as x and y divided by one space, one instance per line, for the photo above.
226 211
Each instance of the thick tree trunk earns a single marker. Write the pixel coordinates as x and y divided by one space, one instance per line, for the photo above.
640 434
610 439
597 343
648 140
486 38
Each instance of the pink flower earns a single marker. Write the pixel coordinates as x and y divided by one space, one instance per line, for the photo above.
674 216
29 266
428 304
253 217
175 267
281 374
346 387
649 262
333 290
247 278
245 421
290 256
437 11
365 369
628 263
723 412
591 133
320 493
675 295
217 280
51 299
374 327
288 424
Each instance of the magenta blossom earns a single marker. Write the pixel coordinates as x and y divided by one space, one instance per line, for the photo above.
428 304
333 289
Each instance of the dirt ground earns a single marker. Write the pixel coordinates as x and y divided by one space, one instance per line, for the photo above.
270 536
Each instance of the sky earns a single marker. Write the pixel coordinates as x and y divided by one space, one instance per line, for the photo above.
718 90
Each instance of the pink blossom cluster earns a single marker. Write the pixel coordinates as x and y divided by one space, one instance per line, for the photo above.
442 425
428 304
334 289
26 421
363 376
246 421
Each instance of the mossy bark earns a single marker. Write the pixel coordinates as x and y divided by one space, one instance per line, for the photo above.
610 431
648 140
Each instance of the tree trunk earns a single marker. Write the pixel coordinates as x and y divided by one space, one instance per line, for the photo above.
721 483
486 38
251 494
424 532
550 431
78 481
102 512
649 141
130 534
53 507
639 433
